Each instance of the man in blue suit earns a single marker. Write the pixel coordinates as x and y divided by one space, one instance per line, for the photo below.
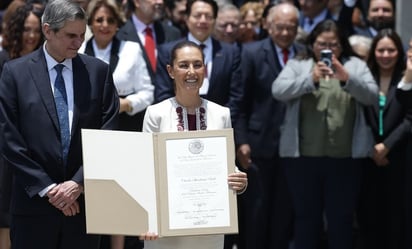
266 203
313 12
222 84
46 98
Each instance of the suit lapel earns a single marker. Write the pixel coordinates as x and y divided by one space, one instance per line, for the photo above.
128 32
218 62
89 47
114 54
390 96
40 76
160 33
81 89
271 56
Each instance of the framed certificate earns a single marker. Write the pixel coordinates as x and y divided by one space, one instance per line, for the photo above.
174 184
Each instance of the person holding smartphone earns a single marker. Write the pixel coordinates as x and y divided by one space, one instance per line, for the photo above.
324 135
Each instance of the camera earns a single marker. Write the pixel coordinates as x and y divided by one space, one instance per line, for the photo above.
326 57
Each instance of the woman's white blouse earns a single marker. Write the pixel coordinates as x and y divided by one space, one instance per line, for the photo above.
131 77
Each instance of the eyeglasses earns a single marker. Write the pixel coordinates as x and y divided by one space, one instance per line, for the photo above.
288 28
249 24
226 25
325 45
198 16
110 20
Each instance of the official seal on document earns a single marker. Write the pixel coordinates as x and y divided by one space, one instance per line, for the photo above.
196 146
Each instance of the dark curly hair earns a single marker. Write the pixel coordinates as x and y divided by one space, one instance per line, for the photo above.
15 28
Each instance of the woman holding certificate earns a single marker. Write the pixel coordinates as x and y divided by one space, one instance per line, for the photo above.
187 111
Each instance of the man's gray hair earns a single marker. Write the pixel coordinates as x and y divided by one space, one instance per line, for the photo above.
57 12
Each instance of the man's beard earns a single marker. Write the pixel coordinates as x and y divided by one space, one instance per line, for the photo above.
382 24
159 13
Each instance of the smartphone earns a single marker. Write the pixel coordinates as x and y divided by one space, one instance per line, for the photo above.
326 57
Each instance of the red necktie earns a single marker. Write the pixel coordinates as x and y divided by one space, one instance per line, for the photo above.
285 53
149 46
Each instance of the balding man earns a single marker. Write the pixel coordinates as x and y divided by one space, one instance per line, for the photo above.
257 131
227 23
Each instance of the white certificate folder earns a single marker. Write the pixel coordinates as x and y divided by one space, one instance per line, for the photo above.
174 184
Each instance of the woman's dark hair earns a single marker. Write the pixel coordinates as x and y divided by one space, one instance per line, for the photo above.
15 28
400 63
183 44
328 26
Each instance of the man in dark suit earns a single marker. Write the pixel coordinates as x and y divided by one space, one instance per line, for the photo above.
143 23
147 13
266 203
222 83
379 14
313 12
46 98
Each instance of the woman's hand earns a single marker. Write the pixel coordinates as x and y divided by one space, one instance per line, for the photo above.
340 72
408 71
237 181
125 105
149 236
379 154
321 71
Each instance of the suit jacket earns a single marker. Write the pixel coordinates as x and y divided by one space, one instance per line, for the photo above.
260 115
296 80
4 56
164 33
396 125
29 119
225 87
6 175
130 74
404 97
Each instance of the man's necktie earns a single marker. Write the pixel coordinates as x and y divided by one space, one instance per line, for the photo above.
285 53
149 46
60 98
203 46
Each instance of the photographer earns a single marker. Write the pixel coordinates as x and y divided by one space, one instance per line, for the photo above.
324 136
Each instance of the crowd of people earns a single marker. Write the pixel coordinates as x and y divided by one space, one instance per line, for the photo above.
325 145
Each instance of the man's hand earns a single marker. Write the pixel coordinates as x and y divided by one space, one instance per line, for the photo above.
71 210
408 71
243 156
65 194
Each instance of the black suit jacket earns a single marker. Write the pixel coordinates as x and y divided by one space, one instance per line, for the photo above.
260 114
29 119
225 87
164 33
396 123
404 97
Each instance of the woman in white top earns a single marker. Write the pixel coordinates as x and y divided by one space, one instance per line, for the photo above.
126 61
188 111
